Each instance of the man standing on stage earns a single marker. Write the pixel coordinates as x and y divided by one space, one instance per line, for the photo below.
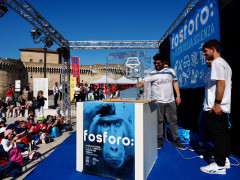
217 104
56 94
163 80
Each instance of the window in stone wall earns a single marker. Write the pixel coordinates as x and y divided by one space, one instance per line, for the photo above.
30 60
40 61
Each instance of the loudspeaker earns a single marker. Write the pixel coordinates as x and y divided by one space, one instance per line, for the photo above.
64 52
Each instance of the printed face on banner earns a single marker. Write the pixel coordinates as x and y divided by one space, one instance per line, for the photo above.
108 135
198 27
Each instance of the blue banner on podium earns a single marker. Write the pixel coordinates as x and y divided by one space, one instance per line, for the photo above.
108 139
199 26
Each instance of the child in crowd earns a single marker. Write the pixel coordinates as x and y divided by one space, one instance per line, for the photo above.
49 119
9 141
24 134
42 129
30 122
2 130
41 100
2 123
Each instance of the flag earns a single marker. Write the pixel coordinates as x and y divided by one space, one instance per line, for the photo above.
75 67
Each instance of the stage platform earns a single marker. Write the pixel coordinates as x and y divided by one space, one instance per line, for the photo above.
170 165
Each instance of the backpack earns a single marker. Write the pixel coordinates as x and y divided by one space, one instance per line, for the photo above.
34 155
16 156
55 132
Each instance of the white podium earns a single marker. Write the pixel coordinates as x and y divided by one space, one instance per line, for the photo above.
116 139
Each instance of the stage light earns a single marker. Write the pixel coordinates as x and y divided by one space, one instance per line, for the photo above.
3 9
49 42
35 33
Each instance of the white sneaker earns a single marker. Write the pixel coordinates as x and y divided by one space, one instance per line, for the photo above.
24 153
227 164
213 168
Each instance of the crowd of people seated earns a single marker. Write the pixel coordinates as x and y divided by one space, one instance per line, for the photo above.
19 140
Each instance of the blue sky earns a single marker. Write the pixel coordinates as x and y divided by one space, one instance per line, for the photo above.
92 20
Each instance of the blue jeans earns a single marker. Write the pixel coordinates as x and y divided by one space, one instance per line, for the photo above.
22 111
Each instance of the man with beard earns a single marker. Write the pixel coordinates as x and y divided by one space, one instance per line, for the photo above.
163 81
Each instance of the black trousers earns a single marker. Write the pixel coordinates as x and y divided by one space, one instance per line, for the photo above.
56 99
218 132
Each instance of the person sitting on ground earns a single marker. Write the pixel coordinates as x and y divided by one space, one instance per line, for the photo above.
22 106
58 110
2 123
32 106
11 108
12 127
2 130
49 119
3 106
42 129
24 133
30 122
9 141
54 117
57 123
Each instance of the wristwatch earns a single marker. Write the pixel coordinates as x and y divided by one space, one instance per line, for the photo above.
218 101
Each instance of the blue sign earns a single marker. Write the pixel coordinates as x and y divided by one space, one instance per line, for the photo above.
198 27
109 140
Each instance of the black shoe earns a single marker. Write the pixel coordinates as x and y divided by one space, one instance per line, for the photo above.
176 143
160 143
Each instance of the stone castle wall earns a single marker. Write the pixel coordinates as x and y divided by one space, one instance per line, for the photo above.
11 70
31 66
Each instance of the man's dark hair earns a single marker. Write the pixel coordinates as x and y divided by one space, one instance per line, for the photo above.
159 57
167 63
212 44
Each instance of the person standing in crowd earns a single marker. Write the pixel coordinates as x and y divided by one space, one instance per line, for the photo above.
96 94
86 89
41 101
101 92
217 103
10 93
82 92
56 94
163 80
77 91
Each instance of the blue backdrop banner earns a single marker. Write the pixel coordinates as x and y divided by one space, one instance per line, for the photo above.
199 26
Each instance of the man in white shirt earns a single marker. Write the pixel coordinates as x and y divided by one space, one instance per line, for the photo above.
163 80
56 94
217 104
77 91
